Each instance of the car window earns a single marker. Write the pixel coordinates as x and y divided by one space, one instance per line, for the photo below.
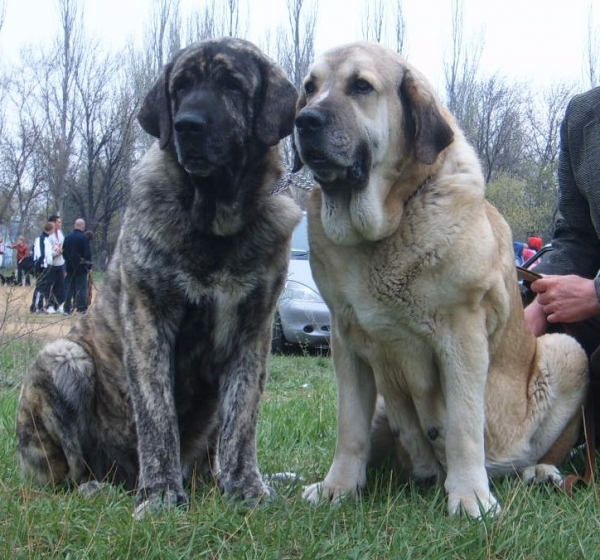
300 240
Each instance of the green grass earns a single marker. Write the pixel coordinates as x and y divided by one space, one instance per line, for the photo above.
296 433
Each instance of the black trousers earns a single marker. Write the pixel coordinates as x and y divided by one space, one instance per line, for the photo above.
77 291
41 293
587 333
56 279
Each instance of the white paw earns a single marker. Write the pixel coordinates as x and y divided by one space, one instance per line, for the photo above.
320 492
474 505
542 473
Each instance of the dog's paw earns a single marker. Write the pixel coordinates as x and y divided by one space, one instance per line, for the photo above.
158 500
251 494
473 505
320 492
540 473
90 488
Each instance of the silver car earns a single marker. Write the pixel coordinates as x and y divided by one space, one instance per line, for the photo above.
302 318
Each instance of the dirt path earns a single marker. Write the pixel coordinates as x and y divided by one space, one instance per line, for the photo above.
17 322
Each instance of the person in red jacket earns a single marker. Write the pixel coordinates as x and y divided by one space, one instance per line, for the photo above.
24 261
534 244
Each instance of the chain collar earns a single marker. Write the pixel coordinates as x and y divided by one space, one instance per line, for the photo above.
293 180
305 183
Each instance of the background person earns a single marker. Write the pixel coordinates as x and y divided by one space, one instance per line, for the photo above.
24 261
568 296
56 278
519 247
78 259
90 279
569 293
533 245
42 255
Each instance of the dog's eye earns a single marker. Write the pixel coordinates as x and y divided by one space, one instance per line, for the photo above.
231 83
360 86
180 86
309 88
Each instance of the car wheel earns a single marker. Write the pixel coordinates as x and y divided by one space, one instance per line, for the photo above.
278 341
2 280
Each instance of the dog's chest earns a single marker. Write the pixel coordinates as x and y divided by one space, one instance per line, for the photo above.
224 288
386 299
214 314
223 270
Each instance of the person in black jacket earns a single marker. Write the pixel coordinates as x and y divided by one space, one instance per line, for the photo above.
569 293
78 259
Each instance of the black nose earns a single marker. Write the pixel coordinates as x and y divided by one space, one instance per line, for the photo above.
190 123
308 120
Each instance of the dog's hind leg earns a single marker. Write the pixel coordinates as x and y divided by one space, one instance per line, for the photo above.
546 470
556 392
54 404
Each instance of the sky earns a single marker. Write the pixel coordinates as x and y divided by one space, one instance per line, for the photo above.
534 41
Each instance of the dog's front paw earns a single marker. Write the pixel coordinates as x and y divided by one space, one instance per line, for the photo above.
90 488
158 499
321 492
251 493
473 504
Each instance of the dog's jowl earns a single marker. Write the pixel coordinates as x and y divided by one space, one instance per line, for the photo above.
162 379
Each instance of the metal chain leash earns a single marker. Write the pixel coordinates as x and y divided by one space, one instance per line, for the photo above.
293 180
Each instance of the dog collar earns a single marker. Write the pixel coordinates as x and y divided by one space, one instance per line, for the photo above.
293 180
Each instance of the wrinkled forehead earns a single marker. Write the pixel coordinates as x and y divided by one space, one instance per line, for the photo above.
379 66
215 58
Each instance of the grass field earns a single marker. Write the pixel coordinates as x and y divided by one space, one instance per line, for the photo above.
296 433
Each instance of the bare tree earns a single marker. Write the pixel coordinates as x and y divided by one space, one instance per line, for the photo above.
461 71
400 29
2 13
233 18
378 15
59 103
162 38
543 115
295 47
106 144
295 52
22 178
592 49
216 19
499 133
373 22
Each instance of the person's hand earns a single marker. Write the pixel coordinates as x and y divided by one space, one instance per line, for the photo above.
564 299
535 318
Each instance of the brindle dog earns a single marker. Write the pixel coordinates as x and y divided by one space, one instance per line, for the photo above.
163 377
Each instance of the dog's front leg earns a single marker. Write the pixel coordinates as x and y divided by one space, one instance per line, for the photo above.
241 389
148 358
356 404
464 361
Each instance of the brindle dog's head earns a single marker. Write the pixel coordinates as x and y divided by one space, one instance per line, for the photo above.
218 102
366 122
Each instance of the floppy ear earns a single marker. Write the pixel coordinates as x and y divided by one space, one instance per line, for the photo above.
275 119
429 130
155 114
